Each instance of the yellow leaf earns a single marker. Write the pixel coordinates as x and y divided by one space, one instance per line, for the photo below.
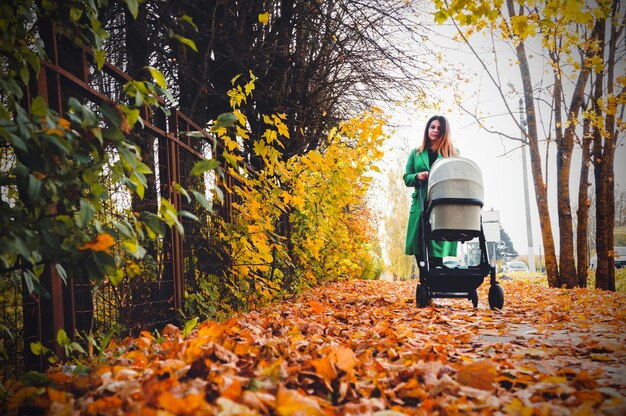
63 123
268 120
517 408
601 357
554 379
290 402
264 18
55 132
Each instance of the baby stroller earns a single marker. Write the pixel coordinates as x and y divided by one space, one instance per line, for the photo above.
452 212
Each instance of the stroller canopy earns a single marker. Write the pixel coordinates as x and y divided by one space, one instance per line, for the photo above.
455 177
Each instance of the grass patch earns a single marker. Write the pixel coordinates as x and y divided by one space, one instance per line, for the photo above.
541 279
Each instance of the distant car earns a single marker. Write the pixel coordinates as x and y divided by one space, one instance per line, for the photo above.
620 258
515 266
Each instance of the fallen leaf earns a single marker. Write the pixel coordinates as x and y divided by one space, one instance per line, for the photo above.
479 374
292 403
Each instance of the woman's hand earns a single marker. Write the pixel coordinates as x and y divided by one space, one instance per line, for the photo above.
423 176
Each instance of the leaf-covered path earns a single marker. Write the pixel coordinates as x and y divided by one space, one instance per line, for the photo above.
362 347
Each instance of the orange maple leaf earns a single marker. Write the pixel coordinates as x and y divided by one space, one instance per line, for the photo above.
345 359
325 369
316 307
106 404
479 374
184 405
102 242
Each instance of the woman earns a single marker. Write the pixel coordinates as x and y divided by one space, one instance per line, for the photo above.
436 144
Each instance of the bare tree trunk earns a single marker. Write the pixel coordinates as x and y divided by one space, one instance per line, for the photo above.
610 145
602 267
582 246
541 192
603 158
565 146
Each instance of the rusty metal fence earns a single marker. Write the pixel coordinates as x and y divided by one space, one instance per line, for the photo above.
173 265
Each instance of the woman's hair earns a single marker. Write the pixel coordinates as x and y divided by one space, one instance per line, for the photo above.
444 145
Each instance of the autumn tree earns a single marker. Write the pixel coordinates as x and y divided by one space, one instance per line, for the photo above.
316 62
396 218
571 37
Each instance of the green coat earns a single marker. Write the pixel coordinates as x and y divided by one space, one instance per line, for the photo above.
418 162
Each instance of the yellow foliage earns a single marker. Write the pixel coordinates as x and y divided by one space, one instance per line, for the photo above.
319 196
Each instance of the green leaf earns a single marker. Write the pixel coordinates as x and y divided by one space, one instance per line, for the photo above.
35 379
75 14
62 338
55 141
61 271
185 41
24 74
16 141
124 228
20 246
132 114
33 61
198 134
38 107
232 160
34 286
37 348
85 214
133 247
104 342
203 201
116 277
189 326
183 191
110 114
75 346
189 20
220 194
153 221
170 215
225 120
133 7
188 215
99 55
203 166
34 188
157 76
140 183
12 87
81 369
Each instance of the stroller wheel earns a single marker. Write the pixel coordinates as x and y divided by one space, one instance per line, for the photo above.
496 296
421 296
473 296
